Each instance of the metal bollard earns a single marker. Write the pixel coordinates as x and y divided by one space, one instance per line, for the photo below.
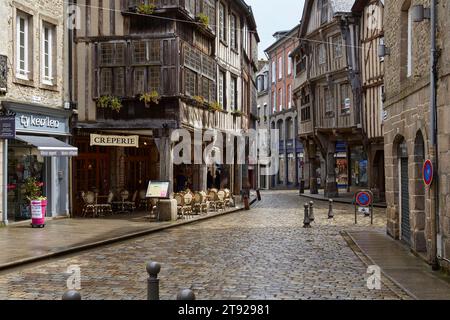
71 295
258 194
186 295
306 221
153 268
330 211
311 211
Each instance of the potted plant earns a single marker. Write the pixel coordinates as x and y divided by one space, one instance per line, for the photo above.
38 203
203 19
150 97
146 8
215 106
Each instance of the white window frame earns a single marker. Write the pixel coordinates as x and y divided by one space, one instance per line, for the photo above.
233 92
274 72
290 96
22 73
289 63
409 53
274 101
280 97
47 79
222 77
280 68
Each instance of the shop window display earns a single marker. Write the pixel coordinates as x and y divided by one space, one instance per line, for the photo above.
359 165
23 162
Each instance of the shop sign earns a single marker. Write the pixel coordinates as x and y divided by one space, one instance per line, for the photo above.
114 141
35 123
7 125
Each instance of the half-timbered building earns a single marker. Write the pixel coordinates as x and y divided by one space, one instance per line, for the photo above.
327 96
370 13
144 68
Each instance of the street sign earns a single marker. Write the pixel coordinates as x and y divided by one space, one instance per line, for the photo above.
363 199
428 173
364 210
363 202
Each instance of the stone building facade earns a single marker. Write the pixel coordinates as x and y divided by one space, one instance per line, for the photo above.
414 216
33 67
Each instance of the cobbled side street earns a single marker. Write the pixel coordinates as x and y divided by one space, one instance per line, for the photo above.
264 253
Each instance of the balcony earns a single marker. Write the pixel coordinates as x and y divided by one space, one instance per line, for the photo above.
191 10
200 117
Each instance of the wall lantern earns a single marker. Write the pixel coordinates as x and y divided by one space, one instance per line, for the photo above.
383 51
419 13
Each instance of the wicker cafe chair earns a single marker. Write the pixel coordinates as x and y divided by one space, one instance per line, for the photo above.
89 204
105 209
204 202
212 199
221 200
228 200
188 203
181 207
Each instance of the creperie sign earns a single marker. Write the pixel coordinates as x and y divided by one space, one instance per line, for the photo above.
114 141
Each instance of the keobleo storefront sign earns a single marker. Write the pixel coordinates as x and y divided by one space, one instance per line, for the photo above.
114 141
41 123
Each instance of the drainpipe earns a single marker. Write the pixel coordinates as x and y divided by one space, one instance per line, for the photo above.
5 182
434 131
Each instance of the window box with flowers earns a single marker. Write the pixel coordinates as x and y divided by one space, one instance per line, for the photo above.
38 203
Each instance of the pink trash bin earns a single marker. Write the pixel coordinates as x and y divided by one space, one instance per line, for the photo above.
38 210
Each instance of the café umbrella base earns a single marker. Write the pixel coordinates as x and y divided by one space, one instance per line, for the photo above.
38 209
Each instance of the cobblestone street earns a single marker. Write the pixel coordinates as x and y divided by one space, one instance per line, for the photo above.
259 254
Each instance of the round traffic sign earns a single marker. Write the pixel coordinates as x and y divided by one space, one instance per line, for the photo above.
364 199
428 173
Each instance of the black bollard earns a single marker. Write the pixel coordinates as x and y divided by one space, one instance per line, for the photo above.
311 211
186 295
330 211
306 221
258 194
71 295
153 268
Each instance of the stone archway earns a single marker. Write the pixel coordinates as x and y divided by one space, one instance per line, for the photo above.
418 197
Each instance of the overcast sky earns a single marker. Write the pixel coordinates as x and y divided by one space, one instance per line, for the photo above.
273 16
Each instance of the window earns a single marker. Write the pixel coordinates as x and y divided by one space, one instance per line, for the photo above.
280 99
410 46
112 65
305 113
345 98
301 64
222 23
280 68
327 100
139 80
191 86
274 72
322 54
145 52
234 32
154 79
323 7
222 89
245 39
47 54
22 54
106 80
290 96
274 101
233 93
289 63
337 46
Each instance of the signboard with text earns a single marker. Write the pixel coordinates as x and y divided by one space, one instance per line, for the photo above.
114 141
7 127
158 189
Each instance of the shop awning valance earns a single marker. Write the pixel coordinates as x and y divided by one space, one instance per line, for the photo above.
50 147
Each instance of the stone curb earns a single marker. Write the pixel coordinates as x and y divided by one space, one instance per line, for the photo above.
361 252
337 200
114 240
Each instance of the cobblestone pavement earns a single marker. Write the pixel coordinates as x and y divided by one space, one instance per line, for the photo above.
259 254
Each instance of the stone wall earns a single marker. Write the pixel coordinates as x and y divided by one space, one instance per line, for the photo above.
408 108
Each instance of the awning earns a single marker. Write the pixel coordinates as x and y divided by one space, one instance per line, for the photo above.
50 147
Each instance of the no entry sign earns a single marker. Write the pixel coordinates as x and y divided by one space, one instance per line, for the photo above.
428 173
364 199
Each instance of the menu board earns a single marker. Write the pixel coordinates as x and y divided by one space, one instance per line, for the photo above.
158 189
